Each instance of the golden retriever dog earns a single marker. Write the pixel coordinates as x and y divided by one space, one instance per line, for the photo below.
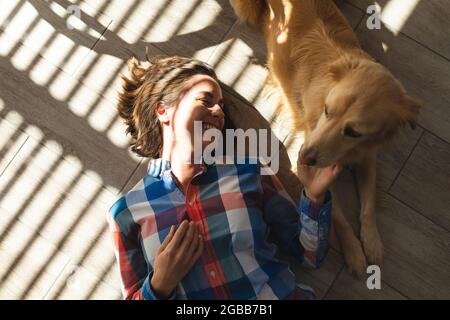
346 103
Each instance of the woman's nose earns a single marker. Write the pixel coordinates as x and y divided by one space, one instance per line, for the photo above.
217 111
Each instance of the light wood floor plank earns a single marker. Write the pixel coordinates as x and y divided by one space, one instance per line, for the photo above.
11 139
24 254
78 283
347 287
417 251
424 182
424 21
393 154
416 258
50 30
57 107
176 27
60 201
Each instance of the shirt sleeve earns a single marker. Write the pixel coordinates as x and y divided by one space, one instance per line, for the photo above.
302 231
134 271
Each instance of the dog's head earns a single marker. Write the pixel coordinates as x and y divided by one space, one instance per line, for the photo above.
363 107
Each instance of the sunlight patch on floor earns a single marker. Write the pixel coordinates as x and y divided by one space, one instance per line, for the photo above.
397 12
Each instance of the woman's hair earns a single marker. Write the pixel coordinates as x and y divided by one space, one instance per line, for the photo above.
161 80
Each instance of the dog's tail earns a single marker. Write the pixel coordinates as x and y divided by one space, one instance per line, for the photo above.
250 11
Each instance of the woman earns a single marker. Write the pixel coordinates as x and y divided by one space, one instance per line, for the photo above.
196 231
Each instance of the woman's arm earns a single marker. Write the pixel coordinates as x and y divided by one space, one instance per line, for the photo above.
134 272
302 231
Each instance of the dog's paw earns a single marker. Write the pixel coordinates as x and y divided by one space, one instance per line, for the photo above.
354 257
373 247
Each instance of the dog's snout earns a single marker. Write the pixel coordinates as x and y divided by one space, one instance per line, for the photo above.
308 157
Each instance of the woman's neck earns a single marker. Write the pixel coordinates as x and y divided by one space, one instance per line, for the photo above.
182 164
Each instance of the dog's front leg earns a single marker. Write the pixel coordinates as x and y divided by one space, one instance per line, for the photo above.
350 245
365 173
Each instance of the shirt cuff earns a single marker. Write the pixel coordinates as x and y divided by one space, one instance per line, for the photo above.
149 294
315 210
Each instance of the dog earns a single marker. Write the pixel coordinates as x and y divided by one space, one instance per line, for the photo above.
345 102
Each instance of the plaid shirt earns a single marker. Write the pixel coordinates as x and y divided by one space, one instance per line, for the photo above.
235 208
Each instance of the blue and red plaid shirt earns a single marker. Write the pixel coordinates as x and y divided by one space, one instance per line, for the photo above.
235 207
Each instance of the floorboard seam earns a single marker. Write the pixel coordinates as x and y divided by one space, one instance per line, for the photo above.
396 290
57 278
131 175
436 136
90 51
229 31
418 212
406 161
15 155
333 282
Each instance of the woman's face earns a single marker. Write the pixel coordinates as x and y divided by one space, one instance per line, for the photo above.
203 101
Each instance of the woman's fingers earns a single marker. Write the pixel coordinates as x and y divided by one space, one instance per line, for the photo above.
195 250
330 173
168 238
194 243
187 241
199 249
179 235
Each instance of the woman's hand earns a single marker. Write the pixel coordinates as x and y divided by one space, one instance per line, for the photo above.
316 181
175 257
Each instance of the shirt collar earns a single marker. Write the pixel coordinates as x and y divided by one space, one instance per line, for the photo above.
167 169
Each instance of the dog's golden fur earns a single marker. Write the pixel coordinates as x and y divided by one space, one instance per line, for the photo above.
346 103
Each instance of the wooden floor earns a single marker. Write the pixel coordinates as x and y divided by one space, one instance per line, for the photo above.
64 157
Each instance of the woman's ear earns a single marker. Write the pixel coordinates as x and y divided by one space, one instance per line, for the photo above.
162 114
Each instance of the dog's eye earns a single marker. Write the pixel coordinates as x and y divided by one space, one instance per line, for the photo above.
326 111
350 132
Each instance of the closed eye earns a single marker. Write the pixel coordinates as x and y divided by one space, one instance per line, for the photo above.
205 101
207 98
326 111
350 132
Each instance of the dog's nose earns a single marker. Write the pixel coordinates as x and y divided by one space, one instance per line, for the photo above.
307 158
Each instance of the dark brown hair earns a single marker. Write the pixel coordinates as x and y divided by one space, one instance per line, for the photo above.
160 80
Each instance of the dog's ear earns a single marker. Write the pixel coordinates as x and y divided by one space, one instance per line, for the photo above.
341 67
410 111
338 70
